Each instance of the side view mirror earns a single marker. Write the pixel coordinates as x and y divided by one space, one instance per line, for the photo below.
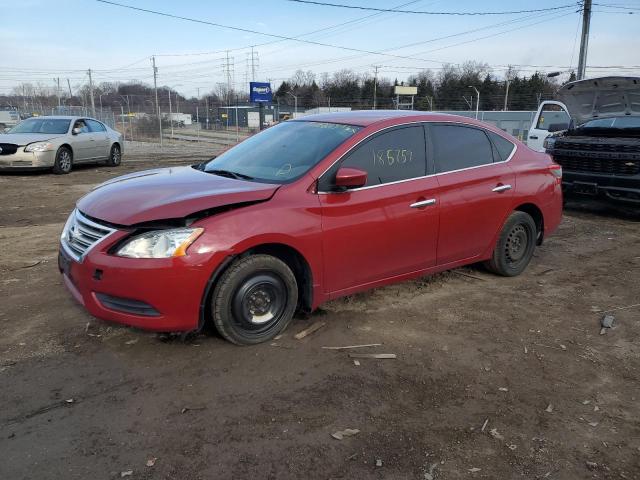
350 178
76 131
556 127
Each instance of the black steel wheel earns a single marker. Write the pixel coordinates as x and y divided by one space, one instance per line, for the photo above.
63 162
254 299
115 156
515 246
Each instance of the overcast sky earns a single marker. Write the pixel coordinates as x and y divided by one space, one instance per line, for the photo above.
43 39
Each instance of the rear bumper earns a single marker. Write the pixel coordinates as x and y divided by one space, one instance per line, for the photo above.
161 295
617 188
23 160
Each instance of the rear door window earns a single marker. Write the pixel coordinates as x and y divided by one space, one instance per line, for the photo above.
456 147
390 156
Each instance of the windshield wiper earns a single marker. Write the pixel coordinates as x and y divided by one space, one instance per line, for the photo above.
230 174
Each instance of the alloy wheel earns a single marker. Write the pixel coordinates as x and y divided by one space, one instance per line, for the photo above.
64 160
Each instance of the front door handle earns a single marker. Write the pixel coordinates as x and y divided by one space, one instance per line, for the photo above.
423 203
502 188
533 137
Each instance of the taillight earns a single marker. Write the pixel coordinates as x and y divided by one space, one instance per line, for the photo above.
556 170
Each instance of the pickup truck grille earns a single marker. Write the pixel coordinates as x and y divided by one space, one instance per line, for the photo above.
599 147
8 148
606 166
82 234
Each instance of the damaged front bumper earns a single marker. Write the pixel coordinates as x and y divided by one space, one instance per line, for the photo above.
163 295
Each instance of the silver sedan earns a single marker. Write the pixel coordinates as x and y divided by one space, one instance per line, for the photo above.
59 143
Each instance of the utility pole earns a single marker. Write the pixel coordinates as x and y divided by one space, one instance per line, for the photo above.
170 113
206 103
506 94
198 104
584 39
155 87
93 105
69 85
375 87
57 80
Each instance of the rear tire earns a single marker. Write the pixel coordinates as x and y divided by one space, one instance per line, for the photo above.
63 162
254 299
515 245
115 156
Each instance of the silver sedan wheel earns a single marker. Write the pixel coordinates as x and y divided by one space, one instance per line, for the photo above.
116 156
64 160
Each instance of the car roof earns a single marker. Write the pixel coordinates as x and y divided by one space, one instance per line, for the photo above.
364 118
62 117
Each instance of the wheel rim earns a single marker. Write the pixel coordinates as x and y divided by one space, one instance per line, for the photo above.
115 155
517 244
64 160
259 303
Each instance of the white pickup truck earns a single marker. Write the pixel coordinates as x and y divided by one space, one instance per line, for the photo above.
593 132
552 116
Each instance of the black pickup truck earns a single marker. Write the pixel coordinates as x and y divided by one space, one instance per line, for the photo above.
599 151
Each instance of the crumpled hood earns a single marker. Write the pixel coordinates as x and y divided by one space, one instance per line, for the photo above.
601 97
166 193
26 138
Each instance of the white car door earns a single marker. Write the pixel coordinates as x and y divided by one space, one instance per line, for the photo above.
549 113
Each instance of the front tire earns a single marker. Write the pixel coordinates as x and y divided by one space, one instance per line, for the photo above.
254 300
515 246
115 156
63 162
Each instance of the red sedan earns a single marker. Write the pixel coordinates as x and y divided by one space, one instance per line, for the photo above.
304 212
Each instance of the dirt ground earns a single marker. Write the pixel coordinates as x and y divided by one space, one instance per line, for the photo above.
495 378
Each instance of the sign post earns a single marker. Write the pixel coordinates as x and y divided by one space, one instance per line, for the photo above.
260 93
402 91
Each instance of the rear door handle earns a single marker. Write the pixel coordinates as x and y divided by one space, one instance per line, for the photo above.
423 203
502 188
533 137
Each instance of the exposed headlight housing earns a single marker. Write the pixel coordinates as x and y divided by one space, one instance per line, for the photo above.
39 147
160 243
549 143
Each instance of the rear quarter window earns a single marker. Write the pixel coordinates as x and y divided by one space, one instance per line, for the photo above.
503 147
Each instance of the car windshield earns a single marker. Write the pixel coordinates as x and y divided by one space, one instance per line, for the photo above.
42 125
281 153
613 122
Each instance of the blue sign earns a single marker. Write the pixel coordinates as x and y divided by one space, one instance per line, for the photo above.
260 92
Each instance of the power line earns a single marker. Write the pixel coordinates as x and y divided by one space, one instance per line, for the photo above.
422 12
247 30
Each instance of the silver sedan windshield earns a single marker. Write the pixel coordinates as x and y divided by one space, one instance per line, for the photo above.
42 125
